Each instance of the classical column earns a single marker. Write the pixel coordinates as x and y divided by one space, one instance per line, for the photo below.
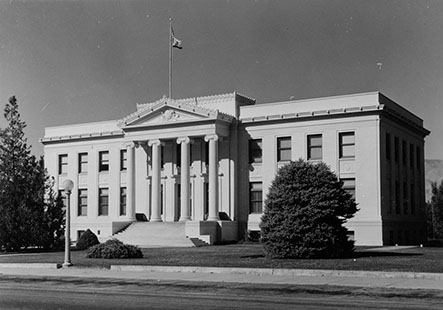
155 181
130 180
213 177
184 179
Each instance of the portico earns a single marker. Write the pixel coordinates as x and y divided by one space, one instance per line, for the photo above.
190 165
159 208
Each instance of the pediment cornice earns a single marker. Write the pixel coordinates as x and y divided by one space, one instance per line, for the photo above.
168 110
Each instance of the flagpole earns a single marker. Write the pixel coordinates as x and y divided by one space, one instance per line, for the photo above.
170 58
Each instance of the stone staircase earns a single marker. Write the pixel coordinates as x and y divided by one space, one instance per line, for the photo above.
158 234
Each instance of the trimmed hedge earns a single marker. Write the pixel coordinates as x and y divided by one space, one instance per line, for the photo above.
86 240
306 208
114 249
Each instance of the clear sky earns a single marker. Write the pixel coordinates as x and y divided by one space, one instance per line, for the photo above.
81 61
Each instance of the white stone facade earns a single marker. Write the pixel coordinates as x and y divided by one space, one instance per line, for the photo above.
228 150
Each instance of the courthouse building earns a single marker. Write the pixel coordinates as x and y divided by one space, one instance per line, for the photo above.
205 164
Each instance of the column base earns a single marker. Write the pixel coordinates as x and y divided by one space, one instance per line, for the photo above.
214 218
67 264
156 220
184 219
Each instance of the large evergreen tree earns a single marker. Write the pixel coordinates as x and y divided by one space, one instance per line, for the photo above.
435 212
27 202
306 208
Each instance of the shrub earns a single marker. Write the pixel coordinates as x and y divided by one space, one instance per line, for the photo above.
306 208
114 249
86 240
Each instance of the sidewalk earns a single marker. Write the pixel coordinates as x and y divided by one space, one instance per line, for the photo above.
401 280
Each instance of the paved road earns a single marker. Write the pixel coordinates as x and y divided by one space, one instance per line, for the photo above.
22 293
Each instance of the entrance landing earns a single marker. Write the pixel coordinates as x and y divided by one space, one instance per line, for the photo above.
157 234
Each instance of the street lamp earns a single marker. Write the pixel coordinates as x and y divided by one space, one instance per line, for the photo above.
68 185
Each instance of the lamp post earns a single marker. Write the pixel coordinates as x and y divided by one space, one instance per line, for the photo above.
68 185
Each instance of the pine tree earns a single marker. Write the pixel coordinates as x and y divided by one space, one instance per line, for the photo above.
24 187
435 212
306 208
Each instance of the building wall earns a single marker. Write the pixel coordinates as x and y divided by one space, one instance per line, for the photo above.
402 175
113 179
369 116
367 222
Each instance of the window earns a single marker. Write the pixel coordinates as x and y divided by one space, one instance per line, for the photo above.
405 198
103 201
123 160
255 197
347 144
255 151
82 162
284 149
388 146
349 186
404 152
80 233
82 202
397 197
103 158
396 149
315 151
63 164
412 191
122 200
418 158
411 155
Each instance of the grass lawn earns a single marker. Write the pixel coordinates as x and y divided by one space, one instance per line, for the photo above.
252 256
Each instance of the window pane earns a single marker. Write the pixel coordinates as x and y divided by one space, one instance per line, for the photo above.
285 155
347 138
348 151
315 140
284 142
315 153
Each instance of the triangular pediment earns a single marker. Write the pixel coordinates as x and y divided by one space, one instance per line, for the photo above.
168 112
167 115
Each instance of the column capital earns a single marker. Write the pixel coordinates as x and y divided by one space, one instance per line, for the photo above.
132 144
183 140
211 137
155 142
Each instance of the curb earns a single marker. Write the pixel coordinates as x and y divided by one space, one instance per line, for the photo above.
31 265
283 272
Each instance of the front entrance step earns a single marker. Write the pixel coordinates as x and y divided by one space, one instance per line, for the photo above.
147 234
